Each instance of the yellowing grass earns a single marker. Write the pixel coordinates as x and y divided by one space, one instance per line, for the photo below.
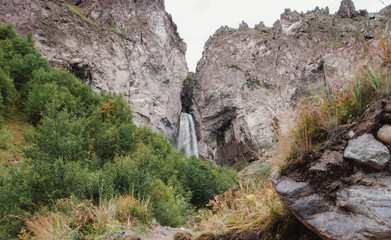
253 206
72 220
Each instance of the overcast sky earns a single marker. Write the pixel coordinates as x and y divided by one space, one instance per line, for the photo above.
199 19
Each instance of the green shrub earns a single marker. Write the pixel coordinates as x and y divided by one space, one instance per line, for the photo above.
7 91
168 208
204 180
62 135
5 139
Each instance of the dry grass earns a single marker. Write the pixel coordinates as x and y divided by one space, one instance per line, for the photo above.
79 12
253 206
71 220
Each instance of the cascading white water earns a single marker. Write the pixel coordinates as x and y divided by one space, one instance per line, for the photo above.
187 138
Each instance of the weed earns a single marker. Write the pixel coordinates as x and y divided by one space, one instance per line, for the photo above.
79 12
236 67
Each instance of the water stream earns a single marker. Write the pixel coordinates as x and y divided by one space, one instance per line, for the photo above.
187 138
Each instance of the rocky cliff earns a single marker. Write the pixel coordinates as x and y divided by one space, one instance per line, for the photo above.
129 47
249 79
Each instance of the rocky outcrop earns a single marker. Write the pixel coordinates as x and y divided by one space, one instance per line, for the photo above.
347 9
337 195
250 79
128 47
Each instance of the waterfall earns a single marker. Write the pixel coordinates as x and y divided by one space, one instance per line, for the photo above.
187 138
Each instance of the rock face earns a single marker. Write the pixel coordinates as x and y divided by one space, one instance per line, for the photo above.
347 9
339 198
249 79
129 47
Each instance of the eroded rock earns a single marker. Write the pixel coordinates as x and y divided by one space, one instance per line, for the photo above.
367 150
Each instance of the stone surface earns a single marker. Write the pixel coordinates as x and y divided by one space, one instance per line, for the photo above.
384 134
367 150
250 79
337 198
126 47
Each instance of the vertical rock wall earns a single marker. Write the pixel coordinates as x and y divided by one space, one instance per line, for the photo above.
250 79
129 47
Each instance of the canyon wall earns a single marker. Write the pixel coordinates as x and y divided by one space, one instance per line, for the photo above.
129 47
249 79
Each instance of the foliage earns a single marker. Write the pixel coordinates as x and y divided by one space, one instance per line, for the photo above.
7 91
236 67
5 139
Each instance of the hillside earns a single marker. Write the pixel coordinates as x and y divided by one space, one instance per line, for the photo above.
125 47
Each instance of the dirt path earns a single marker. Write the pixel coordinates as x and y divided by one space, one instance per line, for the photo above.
165 233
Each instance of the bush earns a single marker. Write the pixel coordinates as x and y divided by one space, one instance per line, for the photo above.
204 180
62 135
5 139
7 91
168 208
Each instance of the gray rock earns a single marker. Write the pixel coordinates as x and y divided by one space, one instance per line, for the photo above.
359 212
367 150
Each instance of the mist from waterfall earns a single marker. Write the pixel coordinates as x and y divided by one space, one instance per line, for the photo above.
187 138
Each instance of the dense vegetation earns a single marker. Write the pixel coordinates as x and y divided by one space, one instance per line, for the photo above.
85 149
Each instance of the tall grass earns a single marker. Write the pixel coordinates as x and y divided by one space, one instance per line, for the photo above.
72 220
254 205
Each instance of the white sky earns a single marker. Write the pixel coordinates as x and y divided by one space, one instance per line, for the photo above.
199 19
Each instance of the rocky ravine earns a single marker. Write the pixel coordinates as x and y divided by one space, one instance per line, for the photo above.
124 46
249 79
343 191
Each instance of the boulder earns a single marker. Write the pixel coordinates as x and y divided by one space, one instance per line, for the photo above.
367 150
384 134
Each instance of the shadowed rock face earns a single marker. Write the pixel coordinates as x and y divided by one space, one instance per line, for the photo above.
250 79
129 47
344 190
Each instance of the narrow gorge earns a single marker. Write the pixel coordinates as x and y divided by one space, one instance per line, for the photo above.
247 88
